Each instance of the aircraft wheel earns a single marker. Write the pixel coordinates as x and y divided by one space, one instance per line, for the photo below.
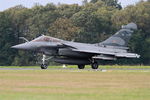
44 66
94 65
81 66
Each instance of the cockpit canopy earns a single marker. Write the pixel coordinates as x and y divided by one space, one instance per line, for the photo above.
46 39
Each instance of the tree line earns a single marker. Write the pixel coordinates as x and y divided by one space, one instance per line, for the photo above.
90 22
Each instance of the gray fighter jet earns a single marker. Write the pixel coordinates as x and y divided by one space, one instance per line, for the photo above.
81 54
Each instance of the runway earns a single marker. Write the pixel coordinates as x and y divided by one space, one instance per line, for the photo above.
88 69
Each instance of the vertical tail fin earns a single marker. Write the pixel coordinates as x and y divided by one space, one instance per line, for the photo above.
122 37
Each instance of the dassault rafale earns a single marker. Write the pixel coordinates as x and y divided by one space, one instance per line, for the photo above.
81 54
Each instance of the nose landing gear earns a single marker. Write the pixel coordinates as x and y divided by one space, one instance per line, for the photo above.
43 65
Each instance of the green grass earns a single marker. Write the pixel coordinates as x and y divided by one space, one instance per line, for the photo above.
74 85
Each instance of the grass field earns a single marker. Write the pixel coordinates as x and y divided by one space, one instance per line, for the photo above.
74 85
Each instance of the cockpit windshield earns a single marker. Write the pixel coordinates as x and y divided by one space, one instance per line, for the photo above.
46 39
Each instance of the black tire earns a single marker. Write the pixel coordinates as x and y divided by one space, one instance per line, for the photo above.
44 66
81 66
94 65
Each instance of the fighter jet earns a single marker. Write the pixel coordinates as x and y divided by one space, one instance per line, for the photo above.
81 54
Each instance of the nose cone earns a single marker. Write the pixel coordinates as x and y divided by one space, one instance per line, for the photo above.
24 46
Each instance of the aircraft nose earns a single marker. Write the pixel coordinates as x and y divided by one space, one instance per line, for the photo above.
24 46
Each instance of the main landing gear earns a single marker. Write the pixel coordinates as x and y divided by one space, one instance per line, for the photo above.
94 65
81 66
43 65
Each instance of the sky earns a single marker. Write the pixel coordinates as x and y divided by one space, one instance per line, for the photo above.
5 4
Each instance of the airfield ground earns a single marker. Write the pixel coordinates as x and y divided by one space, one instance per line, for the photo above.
74 84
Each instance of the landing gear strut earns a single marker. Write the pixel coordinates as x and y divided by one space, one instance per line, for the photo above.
81 66
43 65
